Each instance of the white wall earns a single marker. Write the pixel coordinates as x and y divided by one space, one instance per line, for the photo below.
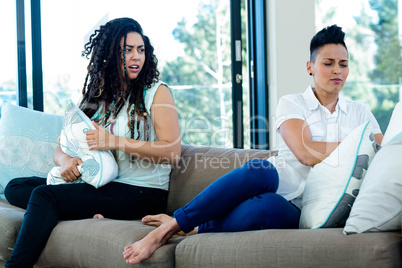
290 25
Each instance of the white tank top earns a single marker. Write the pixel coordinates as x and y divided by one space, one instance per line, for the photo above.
141 172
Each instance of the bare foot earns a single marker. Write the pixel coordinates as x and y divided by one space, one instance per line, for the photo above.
156 220
144 248
193 232
98 216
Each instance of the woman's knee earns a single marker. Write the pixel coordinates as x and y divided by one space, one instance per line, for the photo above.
43 193
18 191
11 190
262 171
14 183
277 212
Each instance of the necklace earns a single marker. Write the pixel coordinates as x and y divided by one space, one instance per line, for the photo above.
111 115
108 114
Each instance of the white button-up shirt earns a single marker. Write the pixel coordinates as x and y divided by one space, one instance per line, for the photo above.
324 127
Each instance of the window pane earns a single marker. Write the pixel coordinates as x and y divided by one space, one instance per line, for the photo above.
246 81
374 40
8 52
192 44
202 75
28 50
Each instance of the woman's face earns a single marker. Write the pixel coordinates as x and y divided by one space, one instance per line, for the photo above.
330 69
134 53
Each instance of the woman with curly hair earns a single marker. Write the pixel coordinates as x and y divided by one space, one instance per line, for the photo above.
135 116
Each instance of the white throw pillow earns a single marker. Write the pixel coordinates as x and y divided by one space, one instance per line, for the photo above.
379 204
98 167
333 184
28 139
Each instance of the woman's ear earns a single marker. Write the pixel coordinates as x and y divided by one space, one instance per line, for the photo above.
309 68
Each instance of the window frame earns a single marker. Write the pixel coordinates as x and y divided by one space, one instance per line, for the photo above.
256 46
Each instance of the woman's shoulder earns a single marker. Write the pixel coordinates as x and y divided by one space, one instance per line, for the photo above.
152 92
302 97
353 105
292 97
290 100
155 85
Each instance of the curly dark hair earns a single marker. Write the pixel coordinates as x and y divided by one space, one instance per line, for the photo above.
106 82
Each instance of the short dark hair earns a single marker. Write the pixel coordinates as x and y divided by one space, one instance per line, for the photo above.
329 35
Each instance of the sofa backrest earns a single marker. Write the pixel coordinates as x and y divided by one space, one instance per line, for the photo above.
200 166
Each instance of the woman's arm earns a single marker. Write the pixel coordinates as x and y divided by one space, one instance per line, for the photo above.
297 136
166 149
69 171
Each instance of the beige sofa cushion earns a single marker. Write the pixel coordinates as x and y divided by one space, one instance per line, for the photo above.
291 248
100 243
84 243
10 222
200 166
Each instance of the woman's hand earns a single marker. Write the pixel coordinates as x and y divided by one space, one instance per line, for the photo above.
101 139
167 148
69 171
68 165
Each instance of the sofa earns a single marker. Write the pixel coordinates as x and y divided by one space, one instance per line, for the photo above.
100 242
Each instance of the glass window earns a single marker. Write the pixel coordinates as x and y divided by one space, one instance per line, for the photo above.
8 52
246 81
28 50
374 40
192 43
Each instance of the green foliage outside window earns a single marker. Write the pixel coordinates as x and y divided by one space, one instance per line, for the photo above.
202 78
375 54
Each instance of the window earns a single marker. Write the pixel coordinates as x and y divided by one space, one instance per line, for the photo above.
8 52
374 39
192 44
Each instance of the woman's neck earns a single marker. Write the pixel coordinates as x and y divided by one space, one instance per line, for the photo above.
329 101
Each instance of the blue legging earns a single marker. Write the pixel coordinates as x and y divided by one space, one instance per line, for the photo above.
242 200
46 204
